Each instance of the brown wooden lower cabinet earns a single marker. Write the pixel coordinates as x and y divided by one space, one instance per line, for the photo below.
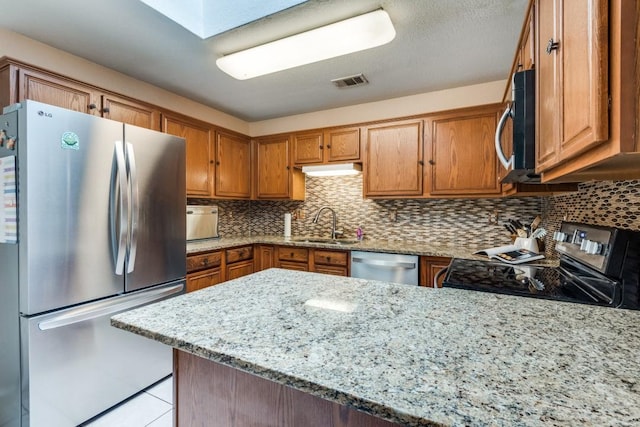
288 265
209 393
204 279
263 257
331 262
239 269
429 267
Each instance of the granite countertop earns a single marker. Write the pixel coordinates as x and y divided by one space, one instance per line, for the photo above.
413 355
449 250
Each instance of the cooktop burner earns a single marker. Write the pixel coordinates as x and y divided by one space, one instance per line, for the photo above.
566 283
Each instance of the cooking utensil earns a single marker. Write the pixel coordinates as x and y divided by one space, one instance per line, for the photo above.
535 223
509 228
539 233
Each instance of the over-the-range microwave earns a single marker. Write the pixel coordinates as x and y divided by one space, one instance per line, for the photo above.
522 163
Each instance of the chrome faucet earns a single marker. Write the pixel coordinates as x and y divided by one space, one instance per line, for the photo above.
334 233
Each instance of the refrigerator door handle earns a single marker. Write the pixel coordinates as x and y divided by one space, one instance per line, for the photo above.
135 207
123 204
105 308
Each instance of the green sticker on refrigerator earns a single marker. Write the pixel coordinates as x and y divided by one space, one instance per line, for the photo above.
70 141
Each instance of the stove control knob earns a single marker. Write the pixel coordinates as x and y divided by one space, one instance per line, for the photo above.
595 248
559 236
584 244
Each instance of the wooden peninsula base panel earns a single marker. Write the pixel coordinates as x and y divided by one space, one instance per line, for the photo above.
208 393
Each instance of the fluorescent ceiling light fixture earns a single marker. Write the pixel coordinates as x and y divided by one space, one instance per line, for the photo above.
340 169
341 38
207 18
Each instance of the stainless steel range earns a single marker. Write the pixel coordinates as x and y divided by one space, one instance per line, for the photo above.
598 265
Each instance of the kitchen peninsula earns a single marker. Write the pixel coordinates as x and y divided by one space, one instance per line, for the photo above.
278 344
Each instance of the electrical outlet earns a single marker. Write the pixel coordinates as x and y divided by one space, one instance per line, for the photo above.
300 213
494 217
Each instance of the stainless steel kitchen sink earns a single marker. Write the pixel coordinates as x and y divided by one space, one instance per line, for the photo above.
326 240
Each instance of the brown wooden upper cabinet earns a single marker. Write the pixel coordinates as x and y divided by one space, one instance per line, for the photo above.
572 79
460 152
275 176
233 166
58 91
328 146
131 112
393 165
66 93
199 153
527 47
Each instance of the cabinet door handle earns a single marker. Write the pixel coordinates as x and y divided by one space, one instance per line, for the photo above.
105 110
421 162
92 106
431 162
551 46
321 147
329 146
217 163
288 167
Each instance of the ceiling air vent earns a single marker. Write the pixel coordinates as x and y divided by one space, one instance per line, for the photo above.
356 80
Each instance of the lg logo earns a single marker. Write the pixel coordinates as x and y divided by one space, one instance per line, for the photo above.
42 113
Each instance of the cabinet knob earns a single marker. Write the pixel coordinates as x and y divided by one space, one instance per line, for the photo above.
218 163
431 162
421 162
551 46
92 106
328 259
288 167
321 147
211 161
328 145
105 110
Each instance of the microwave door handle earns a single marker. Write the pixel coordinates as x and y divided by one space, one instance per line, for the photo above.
503 120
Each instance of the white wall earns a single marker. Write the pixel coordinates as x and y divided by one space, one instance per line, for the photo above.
41 55
467 96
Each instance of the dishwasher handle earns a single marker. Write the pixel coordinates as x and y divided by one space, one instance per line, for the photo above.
387 264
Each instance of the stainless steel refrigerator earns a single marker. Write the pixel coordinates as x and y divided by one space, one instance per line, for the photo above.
92 224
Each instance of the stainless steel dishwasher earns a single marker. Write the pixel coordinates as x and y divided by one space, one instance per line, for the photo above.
384 266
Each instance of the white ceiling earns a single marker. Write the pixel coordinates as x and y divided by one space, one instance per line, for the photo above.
439 44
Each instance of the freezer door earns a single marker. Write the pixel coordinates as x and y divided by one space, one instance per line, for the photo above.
157 240
64 178
76 365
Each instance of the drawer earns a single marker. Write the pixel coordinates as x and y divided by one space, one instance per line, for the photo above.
202 261
294 266
239 254
330 258
293 254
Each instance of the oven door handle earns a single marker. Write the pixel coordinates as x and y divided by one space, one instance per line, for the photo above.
437 276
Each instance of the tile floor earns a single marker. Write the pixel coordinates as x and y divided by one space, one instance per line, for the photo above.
151 408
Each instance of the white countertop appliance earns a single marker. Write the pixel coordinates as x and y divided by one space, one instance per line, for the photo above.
99 209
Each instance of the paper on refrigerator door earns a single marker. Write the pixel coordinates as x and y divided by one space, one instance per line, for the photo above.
8 200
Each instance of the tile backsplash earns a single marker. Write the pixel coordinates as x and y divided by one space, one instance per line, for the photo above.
451 220
609 203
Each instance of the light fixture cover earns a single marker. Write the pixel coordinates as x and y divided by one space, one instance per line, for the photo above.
339 169
351 35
